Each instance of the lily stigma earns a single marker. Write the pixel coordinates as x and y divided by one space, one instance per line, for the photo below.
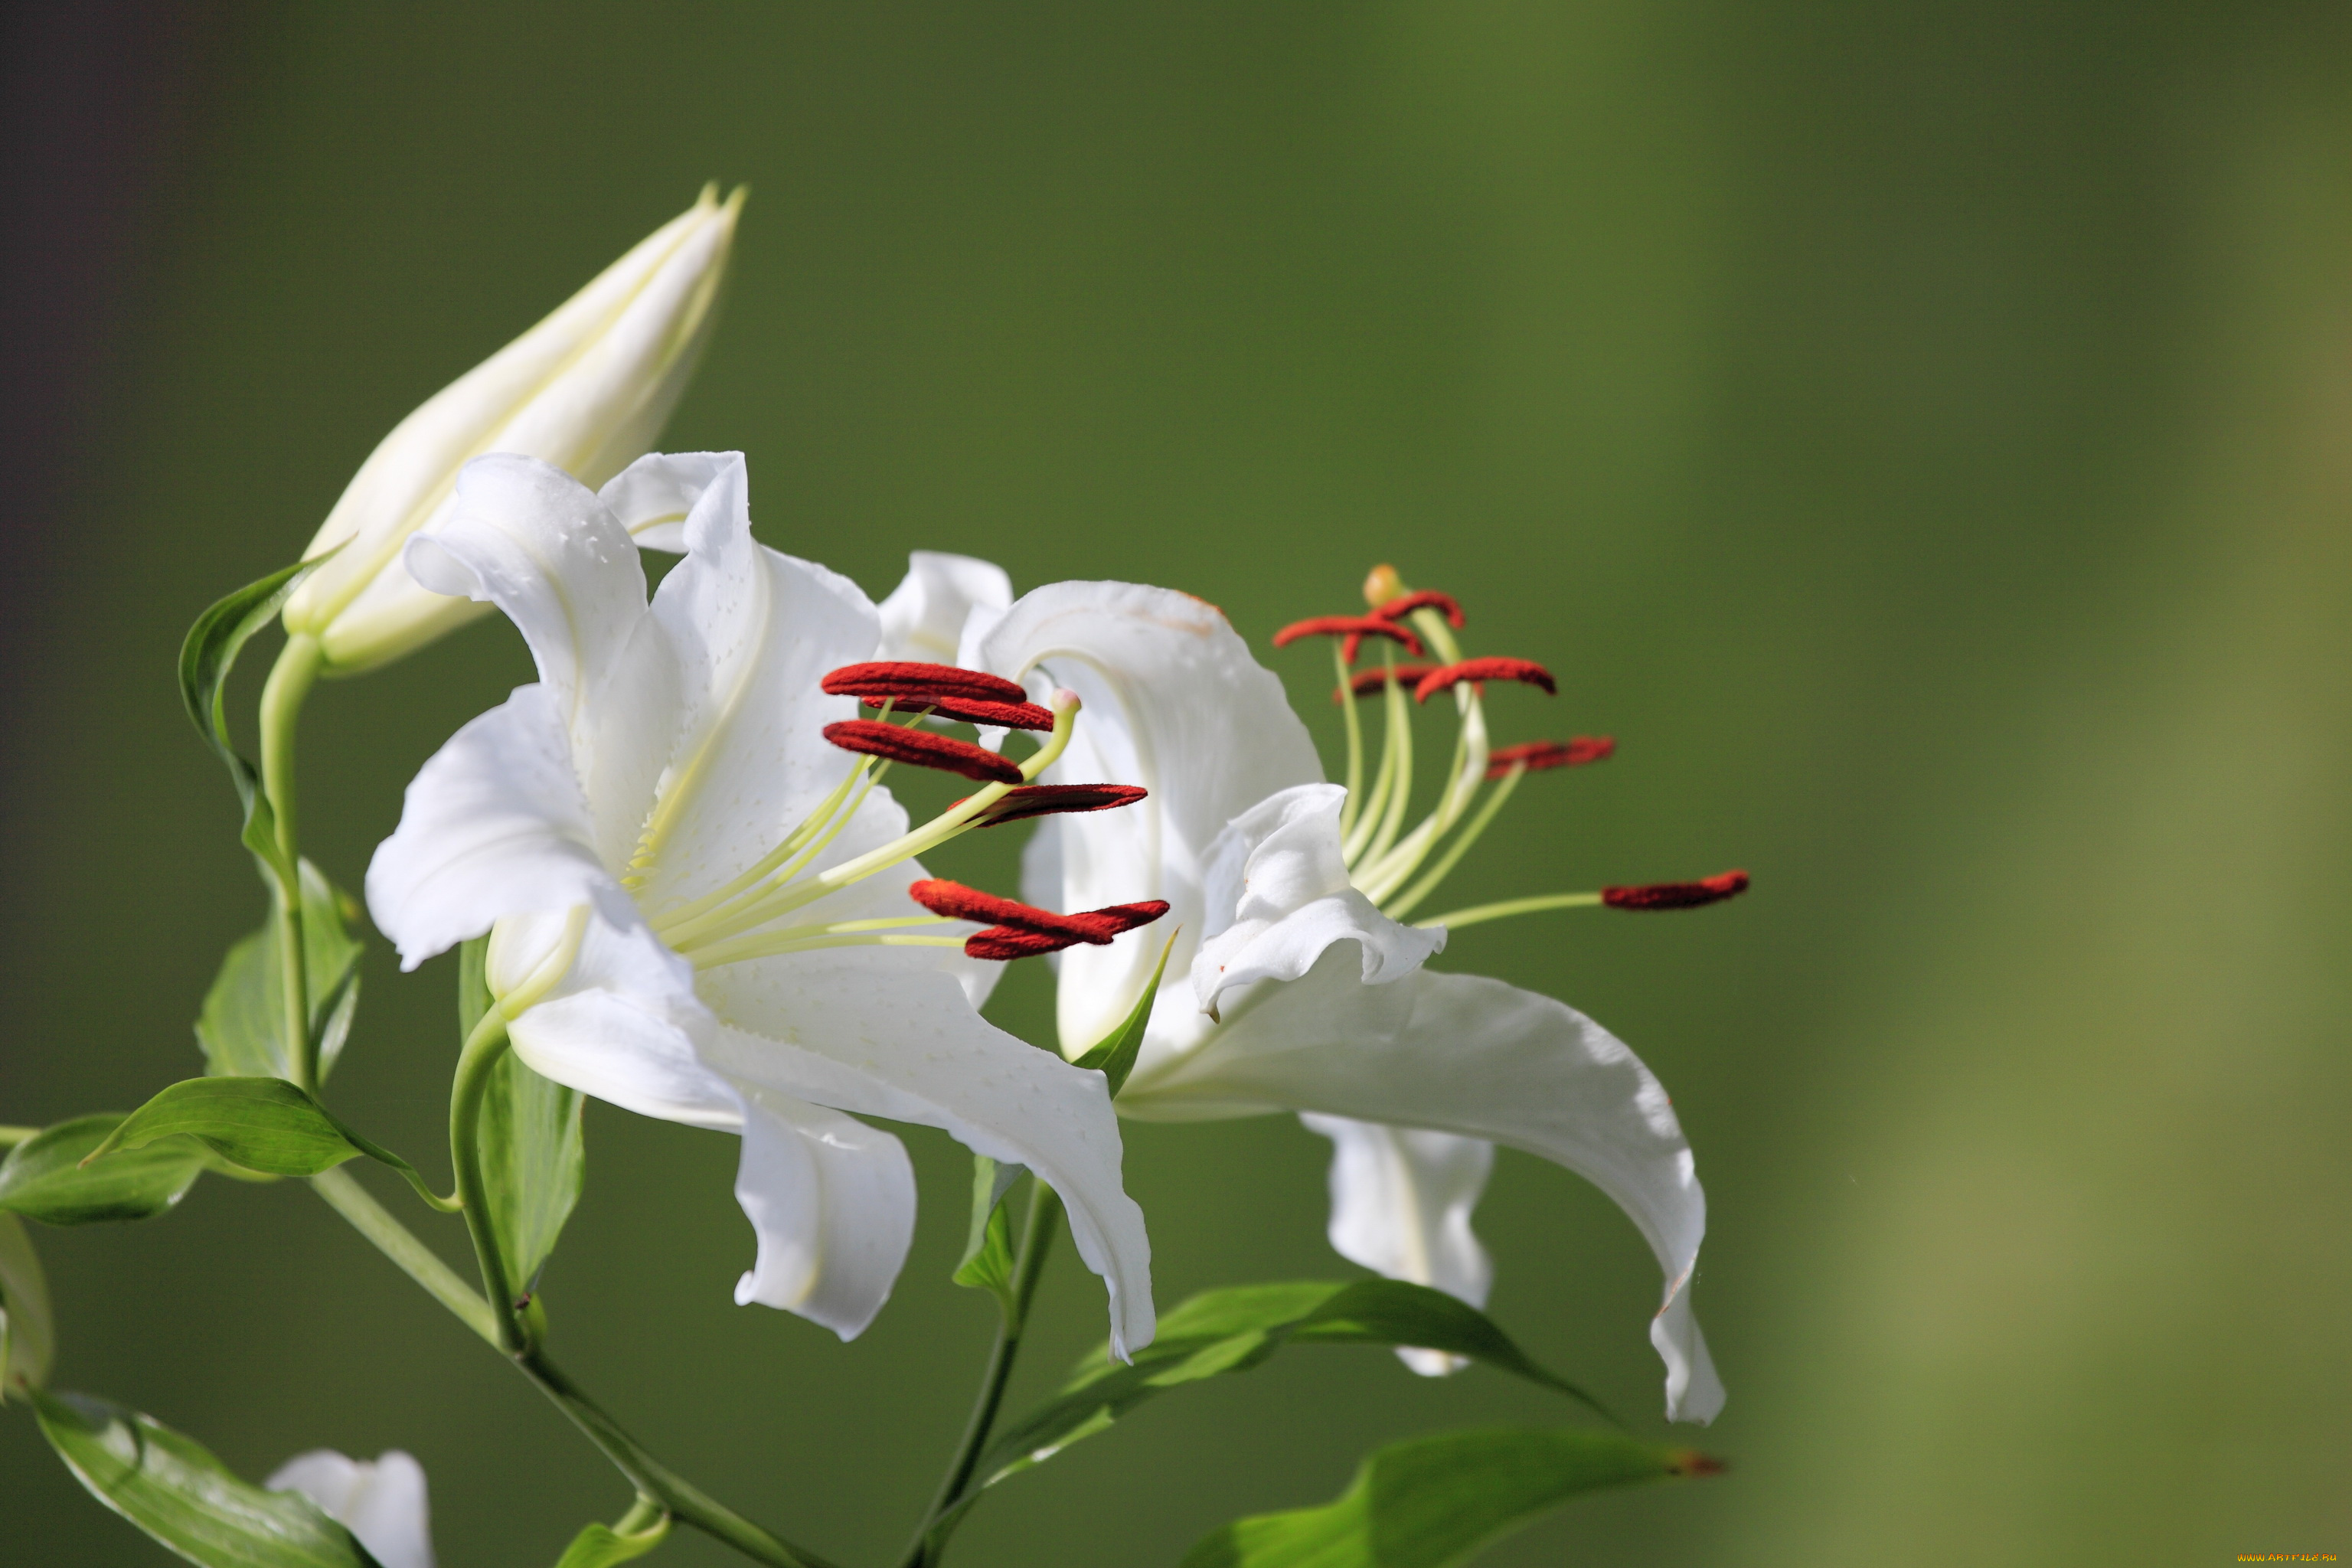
702 902
1296 983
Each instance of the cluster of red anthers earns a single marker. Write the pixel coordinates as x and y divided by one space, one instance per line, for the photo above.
1018 930
1426 680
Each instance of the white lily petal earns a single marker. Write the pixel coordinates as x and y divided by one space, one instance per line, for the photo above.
924 617
623 1023
1461 1053
1401 1204
382 1502
852 1028
527 537
1277 895
1174 702
754 632
493 824
653 497
832 1202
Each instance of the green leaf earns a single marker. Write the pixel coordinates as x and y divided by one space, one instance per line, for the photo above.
206 656
1234 1329
263 1124
43 1178
534 1153
1114 1055
535 1162
27 1329
172 1487
1432 1503
243 1026
987 1261
600 1545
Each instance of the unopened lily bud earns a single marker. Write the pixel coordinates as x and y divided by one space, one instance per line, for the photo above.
587 390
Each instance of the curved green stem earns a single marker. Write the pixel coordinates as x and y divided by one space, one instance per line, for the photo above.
281 704
1036 1241
12 1136
483 1048
397 1242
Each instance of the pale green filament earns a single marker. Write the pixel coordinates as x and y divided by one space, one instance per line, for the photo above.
1455 920
1406 901
1354 842
808 939
1399 797
1355 740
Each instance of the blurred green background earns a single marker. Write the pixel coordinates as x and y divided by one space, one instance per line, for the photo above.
1921 433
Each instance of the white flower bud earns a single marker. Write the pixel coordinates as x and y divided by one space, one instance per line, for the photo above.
587 390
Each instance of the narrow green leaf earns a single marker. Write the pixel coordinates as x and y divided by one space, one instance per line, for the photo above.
206 656
27 1329
243 1026
43 1178
600 1545
1234 1329
534 1155
263 1124
1432 1503
172 1487
987 1261
535 1162
1114 1055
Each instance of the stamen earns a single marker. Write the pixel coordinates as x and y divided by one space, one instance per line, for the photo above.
1353 627
923 750
1536 755
1046 800
1677 895
1008 715
916 685
1404 605
1020 930
1481 670
1368 682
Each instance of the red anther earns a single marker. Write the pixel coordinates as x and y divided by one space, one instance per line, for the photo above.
1482 671
1002 944
1537 755
1677 895
1020 930
1691 1462
920 684
1045 800
1010 715
1404 605
1368 682
1352 627
923 749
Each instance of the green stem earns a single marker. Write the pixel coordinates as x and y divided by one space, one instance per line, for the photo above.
483 1048
652 1479
12 1136
282 703
1036 1240
684 1501
642 1515
397 1242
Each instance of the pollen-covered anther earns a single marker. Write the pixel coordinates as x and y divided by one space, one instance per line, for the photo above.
1536 755
1353 627
1046 800
915 684
922 748
1021 931
1404 605
969 711
1370 682
1677 895
1526 671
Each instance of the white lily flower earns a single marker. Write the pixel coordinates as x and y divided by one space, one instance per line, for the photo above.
381 1501
588 390
926 615
1294 986
700 908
